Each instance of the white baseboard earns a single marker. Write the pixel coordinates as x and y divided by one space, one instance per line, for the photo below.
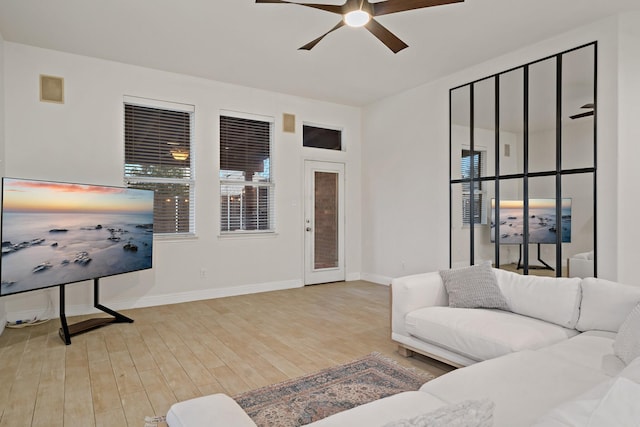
376 278
3 317
150 301
353 276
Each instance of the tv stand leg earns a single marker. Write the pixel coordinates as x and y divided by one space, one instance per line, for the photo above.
67 331
64 330
544 265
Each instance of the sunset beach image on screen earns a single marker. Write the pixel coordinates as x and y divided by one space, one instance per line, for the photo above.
57 233
543 225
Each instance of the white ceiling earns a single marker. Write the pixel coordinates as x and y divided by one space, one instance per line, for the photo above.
255 45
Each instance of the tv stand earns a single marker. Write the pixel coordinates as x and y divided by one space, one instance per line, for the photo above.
67 331
544 265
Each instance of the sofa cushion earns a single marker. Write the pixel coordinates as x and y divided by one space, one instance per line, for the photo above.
473 287
482 334
469 413
632 371
522 385
203 411
612 403
605 304
592 349
382 411
553 299
627 344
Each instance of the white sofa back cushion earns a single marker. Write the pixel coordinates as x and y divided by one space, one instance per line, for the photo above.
605 304
552 299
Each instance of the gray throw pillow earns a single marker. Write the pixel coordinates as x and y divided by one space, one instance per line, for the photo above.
469 413
473 287
627 343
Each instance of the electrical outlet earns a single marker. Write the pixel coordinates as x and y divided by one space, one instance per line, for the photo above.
402 265
203 273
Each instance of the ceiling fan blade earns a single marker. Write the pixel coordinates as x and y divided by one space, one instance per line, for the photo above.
589 105
385 36
581 115
312 43
393 6
326 7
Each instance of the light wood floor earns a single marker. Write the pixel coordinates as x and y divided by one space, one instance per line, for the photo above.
117 375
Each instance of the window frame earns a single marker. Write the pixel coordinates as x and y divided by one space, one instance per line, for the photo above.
269 184
479 191
324 127
190 182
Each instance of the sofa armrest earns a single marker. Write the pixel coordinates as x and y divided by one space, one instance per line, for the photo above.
579 267
409 293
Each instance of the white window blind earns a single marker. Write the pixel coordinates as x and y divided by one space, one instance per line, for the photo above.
159 156
472 165
246 182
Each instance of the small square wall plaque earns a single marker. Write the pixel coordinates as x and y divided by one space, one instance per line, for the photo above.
51 89
288 123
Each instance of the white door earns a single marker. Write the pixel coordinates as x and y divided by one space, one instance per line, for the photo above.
324 222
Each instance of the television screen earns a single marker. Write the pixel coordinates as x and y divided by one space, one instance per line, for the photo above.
543 225
56 233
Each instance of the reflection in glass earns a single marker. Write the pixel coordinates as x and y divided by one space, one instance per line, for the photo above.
578 136
579 188
512 121
460 234
460 127
484 125
495 223
542 116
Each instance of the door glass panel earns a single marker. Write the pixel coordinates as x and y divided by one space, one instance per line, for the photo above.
460 127
460 234
484 125
579 189
578 80
544 226
506 223
325 220
542 116
512 121
484 249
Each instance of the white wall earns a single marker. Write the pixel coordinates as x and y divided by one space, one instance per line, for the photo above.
629 148
406 171
3 316
82 141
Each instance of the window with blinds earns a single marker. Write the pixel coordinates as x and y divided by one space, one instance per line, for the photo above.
472 164
158 156
246 182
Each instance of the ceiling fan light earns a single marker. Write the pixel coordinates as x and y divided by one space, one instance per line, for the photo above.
357 18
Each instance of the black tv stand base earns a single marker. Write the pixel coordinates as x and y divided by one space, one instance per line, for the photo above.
67 331
544 265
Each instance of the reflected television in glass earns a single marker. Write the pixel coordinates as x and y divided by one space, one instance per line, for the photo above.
543 224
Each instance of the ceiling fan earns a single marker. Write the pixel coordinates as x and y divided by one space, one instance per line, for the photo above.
362 13
589 106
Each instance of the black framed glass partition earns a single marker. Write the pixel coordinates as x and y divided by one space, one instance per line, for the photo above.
523 166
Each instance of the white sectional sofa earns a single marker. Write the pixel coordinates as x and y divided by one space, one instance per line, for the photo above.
549 361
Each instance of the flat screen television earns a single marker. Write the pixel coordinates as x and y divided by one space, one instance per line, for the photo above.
56 233
543 224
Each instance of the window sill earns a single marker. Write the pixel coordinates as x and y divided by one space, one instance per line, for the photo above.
174 237
248 235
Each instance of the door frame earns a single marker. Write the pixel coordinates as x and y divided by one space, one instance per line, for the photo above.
311 275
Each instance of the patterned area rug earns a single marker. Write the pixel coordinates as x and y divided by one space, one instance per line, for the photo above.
312 397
